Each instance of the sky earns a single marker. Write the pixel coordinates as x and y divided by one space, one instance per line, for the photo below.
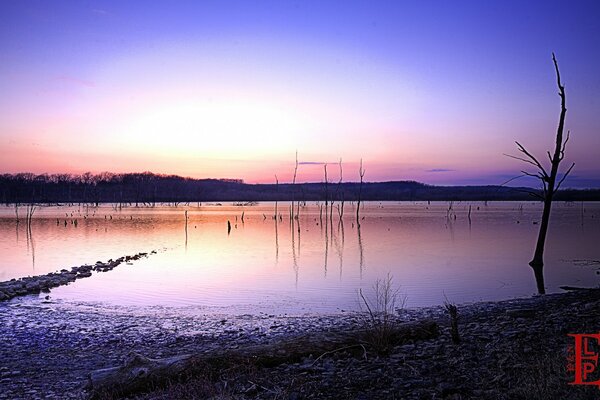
433 91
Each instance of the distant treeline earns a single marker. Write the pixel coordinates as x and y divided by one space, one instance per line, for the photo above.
148 188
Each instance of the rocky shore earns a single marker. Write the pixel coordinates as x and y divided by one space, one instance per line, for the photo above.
43 283
515 349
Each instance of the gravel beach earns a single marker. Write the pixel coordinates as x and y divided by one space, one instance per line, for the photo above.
509 349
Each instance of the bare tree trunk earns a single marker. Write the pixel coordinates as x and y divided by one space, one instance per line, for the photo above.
340 209
293 186
276 194
326 194
549 184
361 173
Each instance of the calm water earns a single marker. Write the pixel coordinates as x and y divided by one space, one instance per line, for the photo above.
266 266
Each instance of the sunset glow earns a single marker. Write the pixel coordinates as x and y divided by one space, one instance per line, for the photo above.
212 90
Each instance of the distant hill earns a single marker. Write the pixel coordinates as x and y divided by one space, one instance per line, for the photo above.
153 188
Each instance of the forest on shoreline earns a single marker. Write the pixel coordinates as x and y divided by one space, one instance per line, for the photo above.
148 189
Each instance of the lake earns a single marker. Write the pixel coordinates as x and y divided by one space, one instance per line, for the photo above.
315 265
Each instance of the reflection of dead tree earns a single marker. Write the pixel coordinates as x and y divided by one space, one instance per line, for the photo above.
186 228
548 181
361 173
326 243
469 215
294 258
276 242
17 212
339 244
30 210
450 211
30 240
361 262
321 214
326 193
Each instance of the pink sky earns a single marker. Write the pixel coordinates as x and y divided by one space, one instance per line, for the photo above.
211 93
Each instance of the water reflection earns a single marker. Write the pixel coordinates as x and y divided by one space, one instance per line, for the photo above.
361 250
428 250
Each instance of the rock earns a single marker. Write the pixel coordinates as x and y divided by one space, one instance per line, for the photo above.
521 312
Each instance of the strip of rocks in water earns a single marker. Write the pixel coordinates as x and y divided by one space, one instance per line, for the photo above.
43 283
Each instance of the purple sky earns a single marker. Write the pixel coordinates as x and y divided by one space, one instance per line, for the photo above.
423 90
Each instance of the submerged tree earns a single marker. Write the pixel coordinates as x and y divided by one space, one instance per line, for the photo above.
549 181
361 173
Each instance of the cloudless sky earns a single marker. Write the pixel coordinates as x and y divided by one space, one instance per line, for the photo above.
434 91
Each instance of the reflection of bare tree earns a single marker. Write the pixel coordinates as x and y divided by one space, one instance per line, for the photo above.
450 226
276 240
361 252
30 241
294 258
299 238
186 229
339 244
326 242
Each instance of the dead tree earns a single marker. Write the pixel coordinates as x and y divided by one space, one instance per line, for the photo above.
361 173
276 194
326 194
549 181
340 192
293 187
30 211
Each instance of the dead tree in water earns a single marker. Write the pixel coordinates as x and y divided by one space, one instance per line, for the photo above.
341 205
361 173
30 211
293 187
276 194
548 180
326 194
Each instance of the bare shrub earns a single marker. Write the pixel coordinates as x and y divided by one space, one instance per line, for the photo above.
452 311
380 317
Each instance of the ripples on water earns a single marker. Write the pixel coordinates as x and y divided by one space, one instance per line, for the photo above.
316 265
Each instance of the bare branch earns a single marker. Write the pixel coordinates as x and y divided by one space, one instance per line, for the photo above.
535 161
531 193
295 168
520 159
511 179
560 86
562 150
564 177
538 175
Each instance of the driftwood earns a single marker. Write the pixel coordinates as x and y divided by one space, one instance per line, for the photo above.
141 374
577 288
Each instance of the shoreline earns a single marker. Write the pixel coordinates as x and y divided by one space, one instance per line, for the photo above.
37 284
48 349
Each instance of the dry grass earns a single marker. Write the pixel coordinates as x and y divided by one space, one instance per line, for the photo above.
380 319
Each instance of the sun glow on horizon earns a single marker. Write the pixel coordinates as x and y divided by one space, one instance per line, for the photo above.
232 128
